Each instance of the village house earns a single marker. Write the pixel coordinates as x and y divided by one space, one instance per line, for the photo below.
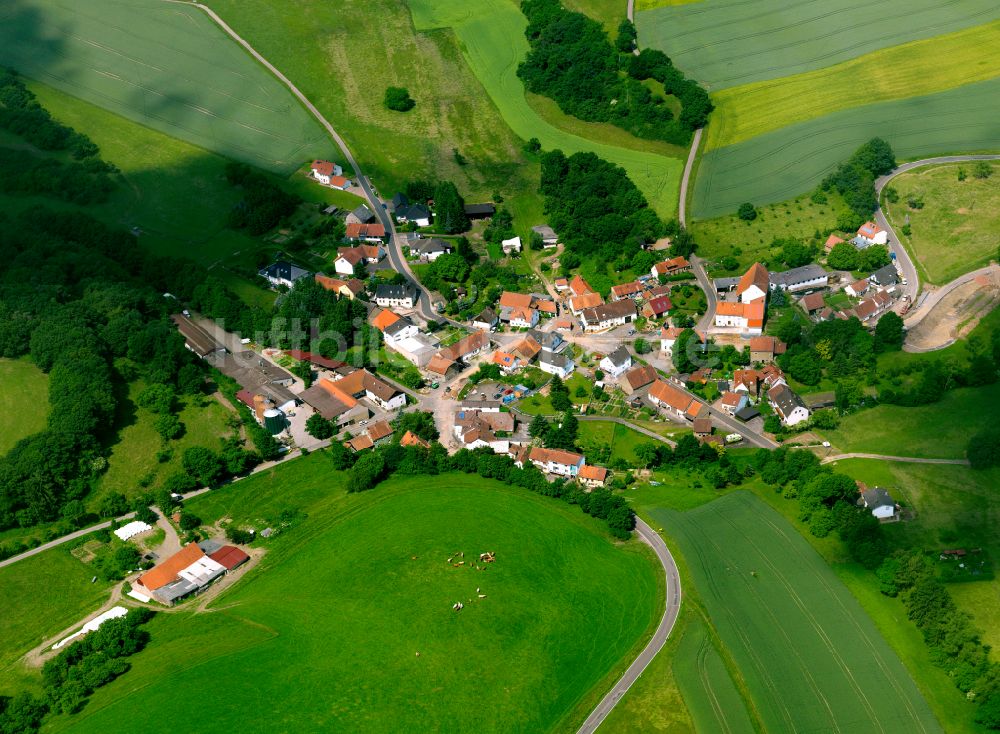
787 404
799 279
702 426
461 351
670 267
378 433
832 241
637 378
766 348
561 284
417 214
617 362
548 235
885 276
556 461
411 439
349 288
554 363
870 234
858 288
658 307
747 317
349 257
608 315
368 232
283 273
361 214
474 428
507 362
878 501
587 300
523 318
673 401
487 320
592 476
431 249
578 286
396 296
731 402
747 381
329 174
876 304
626 290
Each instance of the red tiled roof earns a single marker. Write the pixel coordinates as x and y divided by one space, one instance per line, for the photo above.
229 556
509 299
168 571
411 439
323 168
593 473
579 286
757 275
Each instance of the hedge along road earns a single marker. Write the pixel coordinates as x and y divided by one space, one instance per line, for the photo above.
491 35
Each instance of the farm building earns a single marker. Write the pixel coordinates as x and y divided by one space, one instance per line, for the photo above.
348 288
637 378
511 245
799 279
395 296
811 303
608 315
766 348
747 317
578 286
367 231
196 338
754 284
185 573
548 235
480 211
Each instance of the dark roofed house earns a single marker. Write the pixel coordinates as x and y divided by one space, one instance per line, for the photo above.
399 199
486 320
363 214
548 235
885 276
797 279
283 273
746 413
416 213
431 249
398 296
480 211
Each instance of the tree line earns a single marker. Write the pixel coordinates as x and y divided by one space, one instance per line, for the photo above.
572 60
855 181
72 676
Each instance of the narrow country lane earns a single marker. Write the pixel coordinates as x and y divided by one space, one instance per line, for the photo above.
884 457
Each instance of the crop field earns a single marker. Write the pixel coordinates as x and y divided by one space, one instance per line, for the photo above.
909 70
351 616
784 163
491 34
26 397
709 692
32 612
958 228
810 657
165 65
725 43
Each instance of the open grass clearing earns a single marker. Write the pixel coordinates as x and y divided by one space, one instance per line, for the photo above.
724 43
491 35
613 438
940 430
32 612
808 653
26 401
564 606
958 228
133 460
917 68
784 163
167 66
608 12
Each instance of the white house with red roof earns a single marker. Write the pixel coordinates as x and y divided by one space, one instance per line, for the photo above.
329 174
870 234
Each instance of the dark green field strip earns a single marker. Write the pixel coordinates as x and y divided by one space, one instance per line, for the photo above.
724 43
709 692
781 164
811 658
164 65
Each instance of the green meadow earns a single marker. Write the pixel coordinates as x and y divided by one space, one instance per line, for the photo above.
725 43
348 623
807 652
167 66
25 390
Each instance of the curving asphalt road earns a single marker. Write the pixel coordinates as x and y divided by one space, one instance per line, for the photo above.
905 263
424 305
660 636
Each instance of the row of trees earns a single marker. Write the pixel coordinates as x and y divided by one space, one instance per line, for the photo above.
855 181
25 174
21 114
264 203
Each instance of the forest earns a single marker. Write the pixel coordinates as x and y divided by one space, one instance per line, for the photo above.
572 61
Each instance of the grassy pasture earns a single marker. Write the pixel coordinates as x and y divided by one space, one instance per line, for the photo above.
25 390
32 612
621 439
958 228
917 68
809 655
345 600
165 65
725 43
491 35
781 164
940 430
